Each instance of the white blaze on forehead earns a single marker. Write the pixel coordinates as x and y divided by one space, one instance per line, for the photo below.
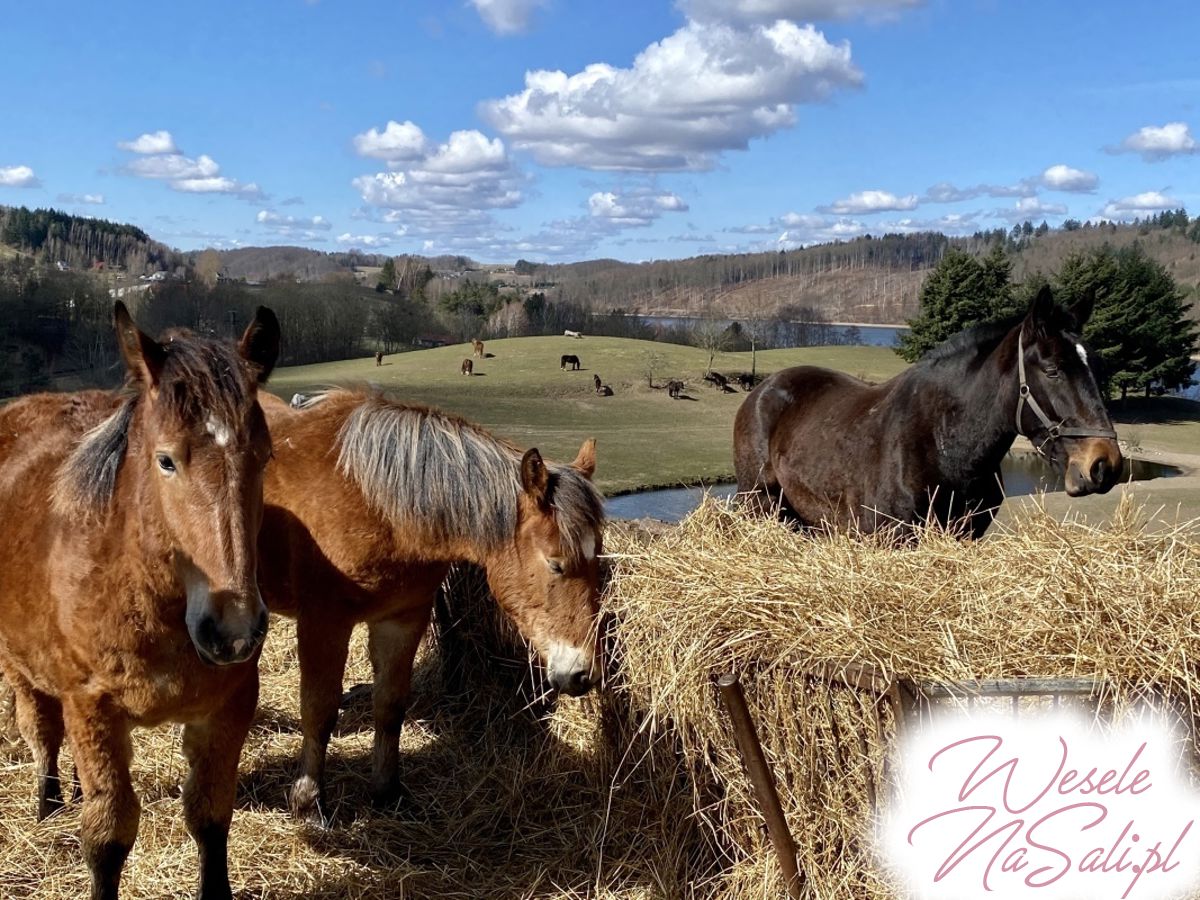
1082 353
221 432
587 545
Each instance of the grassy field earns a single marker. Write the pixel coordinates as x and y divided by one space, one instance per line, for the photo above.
644 437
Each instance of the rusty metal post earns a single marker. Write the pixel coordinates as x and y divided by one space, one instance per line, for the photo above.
763 782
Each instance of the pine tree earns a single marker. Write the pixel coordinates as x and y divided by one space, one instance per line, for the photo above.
960 292
387 275
1140 325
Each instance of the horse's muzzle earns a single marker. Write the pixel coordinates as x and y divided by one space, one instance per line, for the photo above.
224 643
1094 467
571 671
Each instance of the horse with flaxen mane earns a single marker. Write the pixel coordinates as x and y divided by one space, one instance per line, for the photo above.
467 367
926 446
369 502
127 579
569 359
477 346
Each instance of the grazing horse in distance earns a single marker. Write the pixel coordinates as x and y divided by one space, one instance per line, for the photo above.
379 357
477 346
127 580
572 334
674 389
467 367
569 359
927 445
369 502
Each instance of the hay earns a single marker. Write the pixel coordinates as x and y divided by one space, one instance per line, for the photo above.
637 793
722 592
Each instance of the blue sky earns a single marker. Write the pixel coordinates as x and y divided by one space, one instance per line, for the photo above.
558 130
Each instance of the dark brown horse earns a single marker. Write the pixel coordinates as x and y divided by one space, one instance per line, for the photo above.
927 445
467 367
569 359
368 504
127 579
379 357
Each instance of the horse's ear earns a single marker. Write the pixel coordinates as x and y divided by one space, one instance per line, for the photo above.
260 343
534 476
1081 310
585 462
1041 311
144 357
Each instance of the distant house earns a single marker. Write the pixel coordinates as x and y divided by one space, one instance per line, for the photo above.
427 341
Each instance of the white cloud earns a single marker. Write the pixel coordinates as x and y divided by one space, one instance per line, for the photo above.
1030 208
1065 178
945 192
288 225
870 202
506 16
450 188
1139 205
188 175
1156 143
634 208
365 240
767 11
18 176
398 142
795 230
705 89
151 142
89 199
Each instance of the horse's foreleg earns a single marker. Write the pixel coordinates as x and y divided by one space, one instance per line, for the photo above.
212 748
40 721
323 645
393 644
99 736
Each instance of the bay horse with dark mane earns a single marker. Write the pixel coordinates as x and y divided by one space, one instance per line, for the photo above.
368 503
926 446
127 580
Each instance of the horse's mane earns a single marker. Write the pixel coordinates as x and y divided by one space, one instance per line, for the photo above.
199 378
436 472
978 338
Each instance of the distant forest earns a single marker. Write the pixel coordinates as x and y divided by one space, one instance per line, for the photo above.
59 275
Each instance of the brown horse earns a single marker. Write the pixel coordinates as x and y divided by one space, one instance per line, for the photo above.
467 367
927 445
368 504
477 346
569 359
127 579
379 357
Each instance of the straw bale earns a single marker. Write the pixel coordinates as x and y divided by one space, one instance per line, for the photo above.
723 592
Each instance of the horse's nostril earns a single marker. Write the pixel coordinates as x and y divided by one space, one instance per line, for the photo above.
1099 471
580 682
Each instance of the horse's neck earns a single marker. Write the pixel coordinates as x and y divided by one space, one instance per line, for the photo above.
982 392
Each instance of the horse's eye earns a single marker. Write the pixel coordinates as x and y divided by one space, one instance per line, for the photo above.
555 566
165 464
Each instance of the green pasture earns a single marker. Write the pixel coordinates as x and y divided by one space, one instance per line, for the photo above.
644 437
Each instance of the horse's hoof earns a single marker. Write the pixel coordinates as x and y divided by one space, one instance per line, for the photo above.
391 797
306 803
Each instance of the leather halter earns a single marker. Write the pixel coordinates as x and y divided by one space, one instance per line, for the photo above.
1053 431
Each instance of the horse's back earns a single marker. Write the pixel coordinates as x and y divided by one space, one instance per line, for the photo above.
782 400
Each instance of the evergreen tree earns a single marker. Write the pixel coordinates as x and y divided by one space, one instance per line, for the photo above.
387 275
961 292
1140 326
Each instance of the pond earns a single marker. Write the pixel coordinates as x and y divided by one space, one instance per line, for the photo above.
1024 473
